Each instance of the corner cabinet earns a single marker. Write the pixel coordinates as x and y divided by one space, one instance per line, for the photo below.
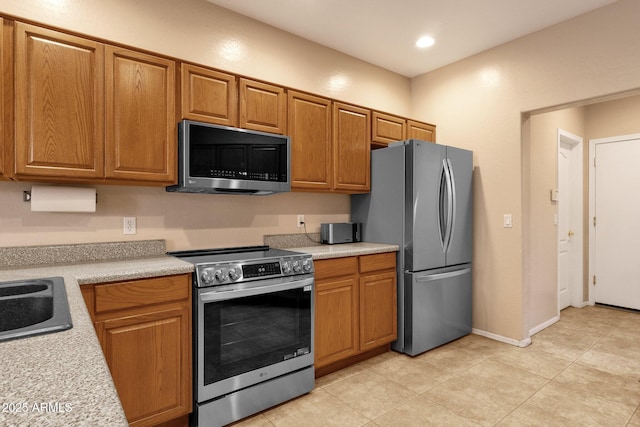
355 306
144 328
420 130
387 128
68 87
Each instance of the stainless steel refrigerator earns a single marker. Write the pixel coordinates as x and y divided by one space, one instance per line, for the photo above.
421 199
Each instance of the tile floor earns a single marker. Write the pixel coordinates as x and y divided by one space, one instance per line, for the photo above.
582 371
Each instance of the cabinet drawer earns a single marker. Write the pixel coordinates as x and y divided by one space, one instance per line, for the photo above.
138 293
384 261
326 268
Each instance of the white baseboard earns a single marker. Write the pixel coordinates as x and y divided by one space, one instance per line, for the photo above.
582 305
523 343
543 325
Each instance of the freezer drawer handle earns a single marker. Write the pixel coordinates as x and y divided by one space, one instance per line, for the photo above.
443 275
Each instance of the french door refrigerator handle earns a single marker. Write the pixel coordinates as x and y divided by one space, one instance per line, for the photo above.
446 171
453 203
440 276
442 224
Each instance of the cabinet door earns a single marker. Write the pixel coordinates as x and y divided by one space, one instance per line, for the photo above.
336 320
263 107
310 132
351 148
141 136
209 96
378 322
148 357
387 128
59 103
422 131
6 80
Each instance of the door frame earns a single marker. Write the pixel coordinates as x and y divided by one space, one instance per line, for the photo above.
592 203
576 293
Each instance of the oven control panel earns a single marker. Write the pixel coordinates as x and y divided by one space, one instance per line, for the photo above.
227 273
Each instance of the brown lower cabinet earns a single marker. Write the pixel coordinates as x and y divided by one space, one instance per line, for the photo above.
144 328
355 309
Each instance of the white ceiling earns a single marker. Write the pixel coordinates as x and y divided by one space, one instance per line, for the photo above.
383 32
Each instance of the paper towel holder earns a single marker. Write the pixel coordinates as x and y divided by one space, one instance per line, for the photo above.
27 198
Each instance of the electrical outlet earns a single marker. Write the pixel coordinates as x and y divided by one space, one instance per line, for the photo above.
129 225
300 221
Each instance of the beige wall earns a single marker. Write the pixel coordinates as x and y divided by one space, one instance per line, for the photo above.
540 175
613 118
200 32
477 104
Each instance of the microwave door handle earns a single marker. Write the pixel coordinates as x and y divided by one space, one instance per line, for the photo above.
222 295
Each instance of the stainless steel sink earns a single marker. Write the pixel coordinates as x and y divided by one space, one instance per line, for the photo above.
33 307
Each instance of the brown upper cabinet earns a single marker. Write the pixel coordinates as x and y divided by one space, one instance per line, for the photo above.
420 130
330 144
140 136
59 102
68 87
263 107
351 148
310 132
6 80
78 110
209 96
387 128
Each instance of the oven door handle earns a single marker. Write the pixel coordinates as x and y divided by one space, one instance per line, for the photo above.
221 295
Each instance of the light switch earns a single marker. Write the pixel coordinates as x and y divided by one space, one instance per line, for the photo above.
508 221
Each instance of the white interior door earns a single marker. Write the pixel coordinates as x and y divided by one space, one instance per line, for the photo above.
569 220
617 226
564 228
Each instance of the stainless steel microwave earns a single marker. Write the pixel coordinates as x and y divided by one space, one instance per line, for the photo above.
227 160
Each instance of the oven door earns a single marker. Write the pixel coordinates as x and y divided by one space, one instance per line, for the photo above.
253 334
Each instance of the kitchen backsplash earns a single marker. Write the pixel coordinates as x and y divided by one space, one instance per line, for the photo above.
298 240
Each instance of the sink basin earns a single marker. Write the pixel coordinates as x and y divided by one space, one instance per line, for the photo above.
33 307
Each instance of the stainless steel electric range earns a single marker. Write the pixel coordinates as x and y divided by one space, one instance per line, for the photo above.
253 330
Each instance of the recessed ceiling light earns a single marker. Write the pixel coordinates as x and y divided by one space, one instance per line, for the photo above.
425 41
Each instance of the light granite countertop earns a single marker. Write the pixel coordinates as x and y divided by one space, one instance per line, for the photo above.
62 379
345 250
